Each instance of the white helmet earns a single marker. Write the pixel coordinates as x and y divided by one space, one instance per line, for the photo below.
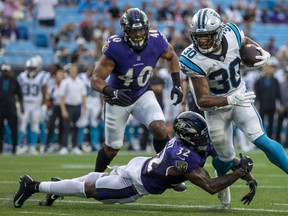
206 22
32 65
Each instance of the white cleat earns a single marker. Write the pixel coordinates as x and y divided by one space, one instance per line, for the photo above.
224 197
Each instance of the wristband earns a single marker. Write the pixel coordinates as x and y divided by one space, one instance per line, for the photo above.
108 90
176 78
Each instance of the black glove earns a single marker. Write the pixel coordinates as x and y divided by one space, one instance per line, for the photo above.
249 197
245 163
176 88
116 96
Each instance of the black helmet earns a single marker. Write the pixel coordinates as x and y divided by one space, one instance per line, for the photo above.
135 27
191 129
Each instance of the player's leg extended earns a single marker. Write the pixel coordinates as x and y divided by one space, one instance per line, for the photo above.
221 134
153 118
115 121
251 125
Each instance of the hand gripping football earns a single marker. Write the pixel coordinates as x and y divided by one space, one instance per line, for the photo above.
248 53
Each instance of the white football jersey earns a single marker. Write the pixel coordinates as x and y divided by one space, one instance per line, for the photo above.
93 97
32 87
222 69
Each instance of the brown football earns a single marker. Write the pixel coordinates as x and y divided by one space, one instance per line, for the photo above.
248 53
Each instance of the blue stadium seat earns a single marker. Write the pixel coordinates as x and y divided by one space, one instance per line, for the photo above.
41 39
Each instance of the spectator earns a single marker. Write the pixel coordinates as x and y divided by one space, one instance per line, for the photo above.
10 91
72 94
82 56
87 27
9 31
267 92
271 47
114 11
87 6
46 13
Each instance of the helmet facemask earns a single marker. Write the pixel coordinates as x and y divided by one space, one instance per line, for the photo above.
135 27
206 30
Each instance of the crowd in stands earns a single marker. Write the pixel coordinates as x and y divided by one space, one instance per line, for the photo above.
76 30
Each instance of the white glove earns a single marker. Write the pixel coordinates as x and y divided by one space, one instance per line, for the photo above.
264 57
240 98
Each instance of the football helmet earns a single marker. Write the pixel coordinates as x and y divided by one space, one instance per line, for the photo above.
32 66
206 30
191 129
135 27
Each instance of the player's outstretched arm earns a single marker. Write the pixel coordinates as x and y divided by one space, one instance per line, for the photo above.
201 177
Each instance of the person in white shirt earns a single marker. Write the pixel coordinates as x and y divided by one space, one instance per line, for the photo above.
72 94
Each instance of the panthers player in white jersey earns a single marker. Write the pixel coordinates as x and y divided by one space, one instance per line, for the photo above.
33 85
212 64
92 117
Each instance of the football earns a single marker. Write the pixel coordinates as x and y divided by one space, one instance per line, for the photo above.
248 53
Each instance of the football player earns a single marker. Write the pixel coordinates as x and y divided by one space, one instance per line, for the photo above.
182 159
128 59
92 117
33 85
212 63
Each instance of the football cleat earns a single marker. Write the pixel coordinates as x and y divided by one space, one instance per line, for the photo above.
50 198
23 192
180 187
224 196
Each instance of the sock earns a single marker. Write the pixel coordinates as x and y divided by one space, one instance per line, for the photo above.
34 186
42 132
80 136
90 177
274 151
222 167
34 138
102 161
64 188
94 136
160 144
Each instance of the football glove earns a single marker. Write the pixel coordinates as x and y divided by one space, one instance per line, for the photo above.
264 57
249 197
240 98
117 97
245 163
176 90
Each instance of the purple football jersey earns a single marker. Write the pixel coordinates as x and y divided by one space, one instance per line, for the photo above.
177 156
133 69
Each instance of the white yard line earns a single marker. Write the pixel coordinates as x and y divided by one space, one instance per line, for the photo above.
167 205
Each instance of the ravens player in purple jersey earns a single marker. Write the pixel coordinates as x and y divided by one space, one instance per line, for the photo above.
123 74
182 159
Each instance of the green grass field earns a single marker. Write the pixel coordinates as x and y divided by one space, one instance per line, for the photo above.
271 197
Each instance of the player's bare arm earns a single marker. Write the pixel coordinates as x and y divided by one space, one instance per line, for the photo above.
203 97
201 178
101 71
172 59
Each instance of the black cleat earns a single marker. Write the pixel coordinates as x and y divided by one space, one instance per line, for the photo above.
180 187
50 198
23 192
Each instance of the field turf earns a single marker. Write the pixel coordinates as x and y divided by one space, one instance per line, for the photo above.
271 197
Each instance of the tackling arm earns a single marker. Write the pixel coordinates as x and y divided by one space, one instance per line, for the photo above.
201 178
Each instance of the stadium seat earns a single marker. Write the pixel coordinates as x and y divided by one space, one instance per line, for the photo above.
23 32
41 39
